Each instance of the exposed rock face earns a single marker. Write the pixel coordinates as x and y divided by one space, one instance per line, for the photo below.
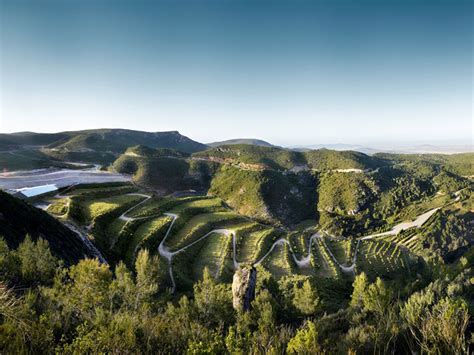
243 288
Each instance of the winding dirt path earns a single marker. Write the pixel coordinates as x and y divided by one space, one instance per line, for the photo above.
168 255
78 231
418 222
123 216
304 261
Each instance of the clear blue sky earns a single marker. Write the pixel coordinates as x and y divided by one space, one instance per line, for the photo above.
291 72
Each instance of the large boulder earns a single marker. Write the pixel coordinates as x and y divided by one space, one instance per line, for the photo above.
243 288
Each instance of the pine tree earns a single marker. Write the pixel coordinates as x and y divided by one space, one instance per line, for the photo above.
360 286
305 298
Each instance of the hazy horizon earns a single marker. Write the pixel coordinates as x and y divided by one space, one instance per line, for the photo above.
374 144
291 73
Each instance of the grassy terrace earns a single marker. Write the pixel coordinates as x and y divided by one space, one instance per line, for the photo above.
95 189
409 240
92 209
58 206
279 262
201 224
215 253
299 242
340 249
148 234
252 242
381 257
146 225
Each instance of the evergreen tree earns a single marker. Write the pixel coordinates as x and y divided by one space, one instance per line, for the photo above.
305 341
148 270
213 300
37 264
360 286
305 298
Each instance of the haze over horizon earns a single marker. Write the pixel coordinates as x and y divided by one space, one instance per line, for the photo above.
291 73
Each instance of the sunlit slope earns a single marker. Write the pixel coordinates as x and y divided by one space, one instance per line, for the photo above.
281 159
266 194
100 146
460 164
164 169
204 232
349 192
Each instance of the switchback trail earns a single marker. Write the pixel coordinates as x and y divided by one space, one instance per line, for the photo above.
304 261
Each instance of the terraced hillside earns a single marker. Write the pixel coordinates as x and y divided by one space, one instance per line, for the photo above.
321 214
191 233
345 192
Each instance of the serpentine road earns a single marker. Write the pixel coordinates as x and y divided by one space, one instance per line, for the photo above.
305 261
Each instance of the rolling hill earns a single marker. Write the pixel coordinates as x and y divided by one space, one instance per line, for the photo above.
105 145
163 169
346 191
118 140
461 163
20 139
249 141
285 159
96 146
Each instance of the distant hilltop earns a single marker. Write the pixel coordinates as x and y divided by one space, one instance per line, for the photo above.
250 141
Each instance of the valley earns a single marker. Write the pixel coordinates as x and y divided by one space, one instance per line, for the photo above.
215 177
243 204
321 220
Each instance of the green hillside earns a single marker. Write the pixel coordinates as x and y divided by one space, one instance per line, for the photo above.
282 159
26 159
164 169
256 156
96 146
267 195
18 218
30 139
461 164
324 159
118 140
345 193
350 191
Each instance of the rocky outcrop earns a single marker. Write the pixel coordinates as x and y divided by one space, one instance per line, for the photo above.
243 288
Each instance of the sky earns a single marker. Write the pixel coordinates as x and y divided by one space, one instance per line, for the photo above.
292 72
